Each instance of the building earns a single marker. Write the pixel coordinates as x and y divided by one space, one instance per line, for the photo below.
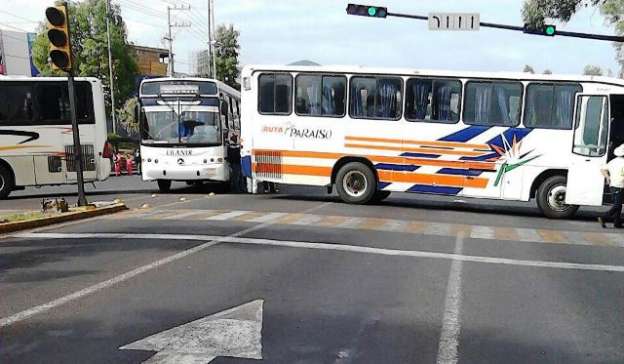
16 53
202 63
152 62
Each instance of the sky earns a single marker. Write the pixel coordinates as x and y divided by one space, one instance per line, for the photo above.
284 31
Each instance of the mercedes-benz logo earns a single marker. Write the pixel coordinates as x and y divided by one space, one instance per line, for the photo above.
180 161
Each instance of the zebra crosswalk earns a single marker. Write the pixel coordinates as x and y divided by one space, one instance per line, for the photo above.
426 228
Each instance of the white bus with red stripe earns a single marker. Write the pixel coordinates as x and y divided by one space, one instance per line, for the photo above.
368 132
36 141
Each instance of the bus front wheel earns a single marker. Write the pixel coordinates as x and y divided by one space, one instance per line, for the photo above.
164 185
551 198
356 183
6 182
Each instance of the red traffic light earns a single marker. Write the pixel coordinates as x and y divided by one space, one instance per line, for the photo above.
367 10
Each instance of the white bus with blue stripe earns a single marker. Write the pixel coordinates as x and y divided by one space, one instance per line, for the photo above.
368 132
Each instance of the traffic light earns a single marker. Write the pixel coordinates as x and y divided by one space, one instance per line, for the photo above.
367 10
58 34
547 30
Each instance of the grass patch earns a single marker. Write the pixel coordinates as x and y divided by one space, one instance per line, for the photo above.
22 217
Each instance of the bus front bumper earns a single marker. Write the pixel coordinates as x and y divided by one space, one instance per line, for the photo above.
218 173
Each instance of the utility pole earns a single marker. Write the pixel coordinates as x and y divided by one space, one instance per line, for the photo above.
110 67
210 52
169 37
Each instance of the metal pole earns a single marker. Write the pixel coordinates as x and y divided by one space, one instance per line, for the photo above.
214 53
170 42
210 53
82 199
110 67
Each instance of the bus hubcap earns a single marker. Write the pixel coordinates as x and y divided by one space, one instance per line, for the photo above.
354 183
556 198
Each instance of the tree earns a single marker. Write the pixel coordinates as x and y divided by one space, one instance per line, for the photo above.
534 12
226 54
528 69
89 45
591 70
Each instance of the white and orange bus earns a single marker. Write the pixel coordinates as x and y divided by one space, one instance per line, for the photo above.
368 132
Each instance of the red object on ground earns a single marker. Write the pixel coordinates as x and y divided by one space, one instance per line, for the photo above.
129 165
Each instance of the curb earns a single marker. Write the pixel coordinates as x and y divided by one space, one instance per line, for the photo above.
70 216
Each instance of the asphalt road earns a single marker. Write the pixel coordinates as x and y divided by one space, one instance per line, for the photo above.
415 279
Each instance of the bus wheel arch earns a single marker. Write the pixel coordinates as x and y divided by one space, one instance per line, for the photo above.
7 179
355 180
550 196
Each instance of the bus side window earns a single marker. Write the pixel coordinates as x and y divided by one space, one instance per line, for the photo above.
376 97
275 93
493 103
432 100
550 106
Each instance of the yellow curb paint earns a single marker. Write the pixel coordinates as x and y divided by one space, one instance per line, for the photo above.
332 221
506 233
289 219
551 236
372 223
416 227
598 239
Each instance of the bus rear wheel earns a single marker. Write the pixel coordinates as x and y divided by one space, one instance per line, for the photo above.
164 185
6 182
551 198
356 183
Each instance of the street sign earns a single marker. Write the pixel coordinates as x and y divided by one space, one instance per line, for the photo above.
454 21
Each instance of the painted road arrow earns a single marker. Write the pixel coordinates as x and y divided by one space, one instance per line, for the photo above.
236 332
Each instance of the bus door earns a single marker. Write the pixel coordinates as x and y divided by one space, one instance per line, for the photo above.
589 150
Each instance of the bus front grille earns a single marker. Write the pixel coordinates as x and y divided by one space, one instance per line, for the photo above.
269 164
88 158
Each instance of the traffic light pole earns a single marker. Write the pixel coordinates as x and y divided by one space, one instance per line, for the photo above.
610 38
82 198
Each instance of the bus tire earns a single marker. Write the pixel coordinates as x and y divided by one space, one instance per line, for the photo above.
551 196
6 182
356 183
380 196
164 185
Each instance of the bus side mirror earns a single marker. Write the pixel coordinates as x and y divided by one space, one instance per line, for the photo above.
137 113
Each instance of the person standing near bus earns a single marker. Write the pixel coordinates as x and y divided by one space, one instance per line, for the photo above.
614 174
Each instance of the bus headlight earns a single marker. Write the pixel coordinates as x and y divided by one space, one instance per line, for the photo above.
220 160
156 161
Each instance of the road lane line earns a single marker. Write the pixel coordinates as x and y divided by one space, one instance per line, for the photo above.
268 216
236 239
23 315
451 322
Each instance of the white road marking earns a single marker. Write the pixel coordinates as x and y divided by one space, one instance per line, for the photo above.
351 222
529 235
236 239
236 332
451 322
269 216
183 215
227 215
482 232
23 315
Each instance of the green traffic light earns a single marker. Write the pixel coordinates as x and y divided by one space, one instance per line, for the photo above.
372 11
550 30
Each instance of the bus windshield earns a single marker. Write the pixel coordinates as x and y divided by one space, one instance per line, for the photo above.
186 127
